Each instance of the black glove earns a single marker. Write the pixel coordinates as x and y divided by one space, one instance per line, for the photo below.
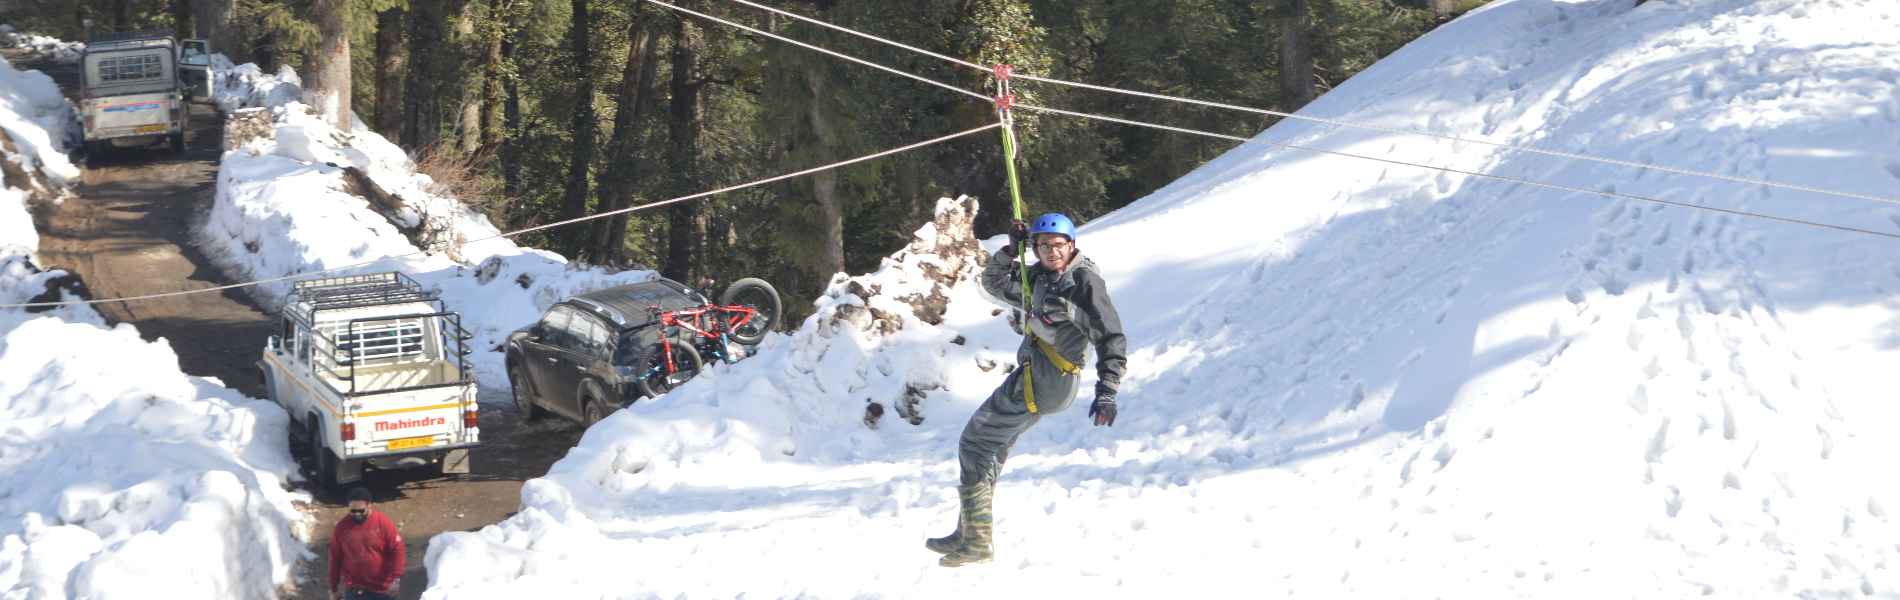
1103 410
1018 236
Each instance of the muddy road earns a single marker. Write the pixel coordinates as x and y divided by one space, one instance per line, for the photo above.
128 231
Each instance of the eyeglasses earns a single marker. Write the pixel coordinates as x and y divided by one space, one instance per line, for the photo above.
1052 246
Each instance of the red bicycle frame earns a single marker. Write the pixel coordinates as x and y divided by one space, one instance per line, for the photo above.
702 322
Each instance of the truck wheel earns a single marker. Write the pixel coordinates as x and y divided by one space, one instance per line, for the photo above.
178 143
524 400
323 461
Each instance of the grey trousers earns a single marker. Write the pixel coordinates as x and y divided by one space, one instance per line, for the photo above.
1004 417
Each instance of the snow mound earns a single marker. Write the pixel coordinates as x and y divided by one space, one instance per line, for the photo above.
1374 380
60 50
38 120
120 475
246 86
756 430
285 206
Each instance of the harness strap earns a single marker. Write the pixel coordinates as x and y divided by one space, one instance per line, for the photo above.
1068 368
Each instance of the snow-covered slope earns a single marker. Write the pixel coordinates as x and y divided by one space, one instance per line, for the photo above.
1350 377
120 476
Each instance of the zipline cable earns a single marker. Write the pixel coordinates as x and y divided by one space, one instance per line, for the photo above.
825 51
1518 180
1348 124
521 231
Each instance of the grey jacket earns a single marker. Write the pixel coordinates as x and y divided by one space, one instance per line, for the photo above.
1071 311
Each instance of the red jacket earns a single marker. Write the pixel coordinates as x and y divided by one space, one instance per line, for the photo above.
367 555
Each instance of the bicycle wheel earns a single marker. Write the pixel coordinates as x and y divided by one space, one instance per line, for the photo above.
658 379
758 295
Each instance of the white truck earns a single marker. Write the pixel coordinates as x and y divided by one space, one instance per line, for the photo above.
130 92
374 372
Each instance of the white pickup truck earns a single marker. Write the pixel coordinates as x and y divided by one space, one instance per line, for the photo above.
374 372
130 93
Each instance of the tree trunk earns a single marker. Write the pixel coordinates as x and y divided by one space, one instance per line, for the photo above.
468 51
491 72
511 118
575 204
825 183
181 19
622 172
213 20
122 15
329 92
1296 55
683 151
389 68
422 109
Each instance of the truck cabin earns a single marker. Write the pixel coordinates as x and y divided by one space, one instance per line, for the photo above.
375 337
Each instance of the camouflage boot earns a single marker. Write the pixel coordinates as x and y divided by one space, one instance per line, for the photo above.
975 529
948 543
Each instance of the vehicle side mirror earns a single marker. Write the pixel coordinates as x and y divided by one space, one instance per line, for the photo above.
537 332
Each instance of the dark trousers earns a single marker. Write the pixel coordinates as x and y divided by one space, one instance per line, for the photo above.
361 594
1004 417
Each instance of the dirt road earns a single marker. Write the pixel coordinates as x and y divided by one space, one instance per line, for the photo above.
128 232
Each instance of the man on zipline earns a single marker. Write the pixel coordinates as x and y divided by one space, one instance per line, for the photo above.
1068 310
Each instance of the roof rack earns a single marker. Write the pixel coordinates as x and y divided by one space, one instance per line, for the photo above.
129 36
354 291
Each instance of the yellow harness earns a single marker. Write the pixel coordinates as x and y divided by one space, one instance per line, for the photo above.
1062 364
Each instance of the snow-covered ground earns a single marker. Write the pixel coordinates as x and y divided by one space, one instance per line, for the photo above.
1354 378
120 476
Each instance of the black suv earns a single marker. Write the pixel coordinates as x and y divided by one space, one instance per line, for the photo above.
581 359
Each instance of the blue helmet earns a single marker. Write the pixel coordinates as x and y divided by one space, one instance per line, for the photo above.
1053 223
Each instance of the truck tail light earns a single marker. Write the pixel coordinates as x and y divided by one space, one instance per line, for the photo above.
349 431
470 419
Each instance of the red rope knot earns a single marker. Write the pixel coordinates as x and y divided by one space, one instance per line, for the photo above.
1002 71
1005 102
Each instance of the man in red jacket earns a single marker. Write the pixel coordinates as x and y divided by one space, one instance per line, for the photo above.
365 553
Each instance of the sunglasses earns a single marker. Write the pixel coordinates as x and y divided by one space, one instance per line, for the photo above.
359 511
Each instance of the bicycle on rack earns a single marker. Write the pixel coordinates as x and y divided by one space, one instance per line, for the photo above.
721 332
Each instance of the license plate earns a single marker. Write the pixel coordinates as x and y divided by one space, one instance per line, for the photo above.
414 442
150 129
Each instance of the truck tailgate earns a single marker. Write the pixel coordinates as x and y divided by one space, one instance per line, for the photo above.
140 113
414 420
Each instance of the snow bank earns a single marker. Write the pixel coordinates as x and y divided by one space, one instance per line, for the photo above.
246 86
60 50
39 121
120 475
282 208
742 443
1356 378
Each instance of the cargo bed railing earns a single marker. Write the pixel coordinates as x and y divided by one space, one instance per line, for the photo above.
332 356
